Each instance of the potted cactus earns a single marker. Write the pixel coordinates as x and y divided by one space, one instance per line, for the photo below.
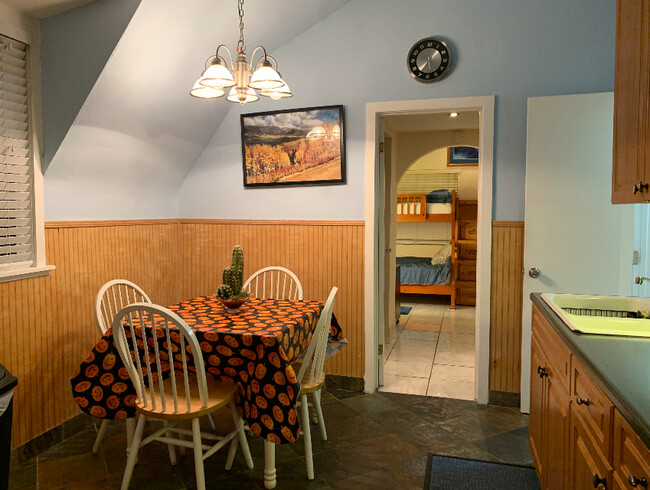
231 293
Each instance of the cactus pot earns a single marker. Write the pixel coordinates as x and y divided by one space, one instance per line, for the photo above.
233 304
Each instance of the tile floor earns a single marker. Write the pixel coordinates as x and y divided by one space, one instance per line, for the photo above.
431 351
378 441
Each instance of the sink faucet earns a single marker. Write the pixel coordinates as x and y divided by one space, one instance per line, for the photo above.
641 280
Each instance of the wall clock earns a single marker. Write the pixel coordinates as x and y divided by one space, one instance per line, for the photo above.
429 60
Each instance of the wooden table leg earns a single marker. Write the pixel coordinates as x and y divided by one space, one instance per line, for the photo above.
269 465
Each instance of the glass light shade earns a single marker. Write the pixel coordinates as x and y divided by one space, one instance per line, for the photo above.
265 77
217 75
277 93
251 96
202 92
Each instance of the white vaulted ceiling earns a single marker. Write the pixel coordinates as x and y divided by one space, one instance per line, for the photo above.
43 8
139 132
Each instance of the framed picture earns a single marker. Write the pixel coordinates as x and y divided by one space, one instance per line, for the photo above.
462 155
293 147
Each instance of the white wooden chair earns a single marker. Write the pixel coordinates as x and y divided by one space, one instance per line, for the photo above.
111 298
274 282
180 396
311 378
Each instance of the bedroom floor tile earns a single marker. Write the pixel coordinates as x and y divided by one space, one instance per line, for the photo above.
436 339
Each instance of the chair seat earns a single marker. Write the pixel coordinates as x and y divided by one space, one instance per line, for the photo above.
308 386
219 394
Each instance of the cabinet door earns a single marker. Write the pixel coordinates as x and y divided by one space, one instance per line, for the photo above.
537 399
631 88
631 457
556 432
587 464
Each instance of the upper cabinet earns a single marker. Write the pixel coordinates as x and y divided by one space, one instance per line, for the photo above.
631 170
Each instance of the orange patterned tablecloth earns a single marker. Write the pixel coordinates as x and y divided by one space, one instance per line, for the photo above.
254 348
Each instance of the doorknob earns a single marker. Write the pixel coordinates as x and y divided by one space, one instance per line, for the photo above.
534 272
388 250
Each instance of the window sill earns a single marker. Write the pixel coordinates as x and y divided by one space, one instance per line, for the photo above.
18 274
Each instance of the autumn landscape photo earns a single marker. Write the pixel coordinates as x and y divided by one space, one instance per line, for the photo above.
293 147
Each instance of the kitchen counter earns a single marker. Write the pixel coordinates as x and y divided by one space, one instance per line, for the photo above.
620 366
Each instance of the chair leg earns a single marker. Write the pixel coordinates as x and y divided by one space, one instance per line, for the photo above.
133 453
232 451
309 457
198 454
170 447
213 428
239 424
130 430
100 436
319 415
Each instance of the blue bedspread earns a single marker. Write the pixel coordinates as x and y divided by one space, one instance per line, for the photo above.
423 274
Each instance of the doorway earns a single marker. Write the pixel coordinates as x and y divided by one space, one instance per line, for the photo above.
430 348
377 246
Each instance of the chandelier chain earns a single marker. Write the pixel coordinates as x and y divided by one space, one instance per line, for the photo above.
241 44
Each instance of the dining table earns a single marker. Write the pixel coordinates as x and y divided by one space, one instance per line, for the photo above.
253 346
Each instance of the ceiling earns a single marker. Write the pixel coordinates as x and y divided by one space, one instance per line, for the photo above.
43 8
438 121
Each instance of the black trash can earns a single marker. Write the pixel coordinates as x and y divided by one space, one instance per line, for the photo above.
7 384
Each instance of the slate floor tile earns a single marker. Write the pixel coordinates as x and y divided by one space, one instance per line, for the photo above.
386 450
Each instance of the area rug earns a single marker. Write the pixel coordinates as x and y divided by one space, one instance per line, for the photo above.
405 310
447 473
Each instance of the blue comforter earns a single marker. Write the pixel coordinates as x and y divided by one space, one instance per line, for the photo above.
423 274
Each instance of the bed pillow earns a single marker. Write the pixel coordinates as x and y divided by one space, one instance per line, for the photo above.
442 256
439 195
413 260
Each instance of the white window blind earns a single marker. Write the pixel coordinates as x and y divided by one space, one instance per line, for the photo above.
16 184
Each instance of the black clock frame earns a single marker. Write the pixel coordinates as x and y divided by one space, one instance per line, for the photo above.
445 63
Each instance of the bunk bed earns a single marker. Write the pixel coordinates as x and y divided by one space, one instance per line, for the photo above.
417 274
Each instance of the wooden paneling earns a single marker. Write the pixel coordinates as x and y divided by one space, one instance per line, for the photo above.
321 255
47 323
506 305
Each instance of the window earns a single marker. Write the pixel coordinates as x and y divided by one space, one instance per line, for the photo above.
20 254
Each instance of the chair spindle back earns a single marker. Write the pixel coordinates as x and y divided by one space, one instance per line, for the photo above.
142 356
314 359
112 297
274 282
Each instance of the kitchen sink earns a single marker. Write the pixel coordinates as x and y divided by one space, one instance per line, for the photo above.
602 315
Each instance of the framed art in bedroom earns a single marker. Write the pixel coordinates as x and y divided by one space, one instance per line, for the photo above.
462 156
293 147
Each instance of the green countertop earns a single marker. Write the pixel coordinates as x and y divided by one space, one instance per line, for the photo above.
620 366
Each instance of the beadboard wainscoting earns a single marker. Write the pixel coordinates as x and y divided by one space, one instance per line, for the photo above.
47 323
506 307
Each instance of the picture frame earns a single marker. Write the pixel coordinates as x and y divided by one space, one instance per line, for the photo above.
464 156
291 147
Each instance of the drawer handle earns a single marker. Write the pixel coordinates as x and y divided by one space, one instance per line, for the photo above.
596 480
635 482
582 401
542 372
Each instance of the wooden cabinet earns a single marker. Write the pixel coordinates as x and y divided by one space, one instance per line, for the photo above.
577 437
631 168
465 273
549 402
631 457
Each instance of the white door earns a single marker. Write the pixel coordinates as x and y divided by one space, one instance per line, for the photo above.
641 241
578 240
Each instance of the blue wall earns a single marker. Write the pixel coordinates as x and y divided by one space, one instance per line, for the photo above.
513 49
75 46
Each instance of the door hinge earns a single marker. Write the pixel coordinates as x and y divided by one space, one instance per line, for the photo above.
380 350
381 147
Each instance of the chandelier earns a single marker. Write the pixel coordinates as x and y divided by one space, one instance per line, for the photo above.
243 81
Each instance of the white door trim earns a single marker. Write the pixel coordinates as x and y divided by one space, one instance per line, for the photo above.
374 110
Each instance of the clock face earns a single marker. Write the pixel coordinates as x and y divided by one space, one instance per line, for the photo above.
429 60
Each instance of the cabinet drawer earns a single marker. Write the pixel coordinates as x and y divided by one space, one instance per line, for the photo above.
467 251
592 405
467 271
631 459
467 230
466 293
557 353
